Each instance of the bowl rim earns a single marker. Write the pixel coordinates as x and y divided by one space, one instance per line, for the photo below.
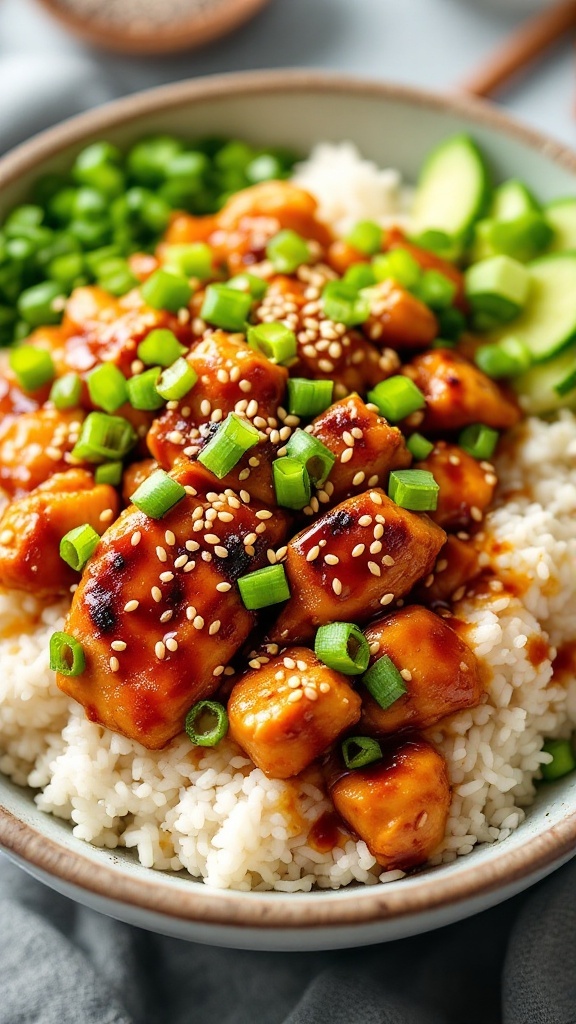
203 905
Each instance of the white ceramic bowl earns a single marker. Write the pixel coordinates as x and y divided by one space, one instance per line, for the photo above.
395 126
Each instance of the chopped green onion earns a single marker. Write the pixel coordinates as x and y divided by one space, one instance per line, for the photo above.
287 251
443 343
107 387
309 397
22 218
265 167
479 440
436 290
308 450
250 283
440 243
78 545
343 647
563 761
206 723
344 305
97 166
360 751
115 277
291 483
193 260
231 441
419 446
359 275
66 655
166 290
42 304
226 307
176 380
109 473
397 265
451 323
104 438
508 357
142 390
414 489
396 398
264 587
384 682
66 391
276 341
32 366
366 236
160 348
157 494
67 269
148 159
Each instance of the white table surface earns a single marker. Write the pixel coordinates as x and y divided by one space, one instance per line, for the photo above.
430 43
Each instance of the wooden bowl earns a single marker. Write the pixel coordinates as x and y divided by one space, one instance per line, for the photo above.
394 126
185 34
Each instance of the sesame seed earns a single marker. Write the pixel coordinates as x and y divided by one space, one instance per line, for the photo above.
331 559
214 627
325 365
118 645
378 531
348 439
161 554
406 674
476 514
358 478
458 594
313 553
454 460
293 681
373 481
192 545
491 479
211 538
180 561
225 517
114 664
289 663
263 513
429 580
387 599
295 696
6 536
347 455
324 687
167 615
172 644
198 622
169 537
246 499
374 647
374 569
223 587
358 550
205 407
365 521
131 606
441 565
156 594
337 586
220 551
106 516
175 437
160 650
387 560
376 498
376 547
245 386
310 693
166 577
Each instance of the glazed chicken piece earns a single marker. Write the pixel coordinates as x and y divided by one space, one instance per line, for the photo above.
286 713
466 486
398 806
136 474
457 565
158 612
32 527
33 447
376 447
441 673
354 560
399 319
458 393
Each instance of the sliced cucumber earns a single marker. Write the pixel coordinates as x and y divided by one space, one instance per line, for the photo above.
512 199
549 386
548 321
561 215
453 189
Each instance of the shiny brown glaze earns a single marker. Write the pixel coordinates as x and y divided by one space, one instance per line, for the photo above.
466 486
399 319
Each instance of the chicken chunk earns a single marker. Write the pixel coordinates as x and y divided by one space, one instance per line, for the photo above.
376 447
33 447
441 673
158 612
457 564
399 319
400 805
356 558
32 527
136 474
466 488
458 393
286 713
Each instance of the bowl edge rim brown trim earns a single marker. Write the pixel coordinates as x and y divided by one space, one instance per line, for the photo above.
225 907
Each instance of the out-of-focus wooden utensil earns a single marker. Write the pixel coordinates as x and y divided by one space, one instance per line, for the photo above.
142 31
522 48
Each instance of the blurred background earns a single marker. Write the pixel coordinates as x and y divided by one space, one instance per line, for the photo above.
47 73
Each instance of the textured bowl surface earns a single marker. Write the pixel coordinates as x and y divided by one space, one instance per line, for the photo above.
394 126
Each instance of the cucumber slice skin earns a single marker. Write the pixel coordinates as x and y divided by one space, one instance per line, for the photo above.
548 322
550 386
444 201
561 215
512 199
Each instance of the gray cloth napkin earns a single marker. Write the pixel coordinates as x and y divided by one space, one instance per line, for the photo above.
63 964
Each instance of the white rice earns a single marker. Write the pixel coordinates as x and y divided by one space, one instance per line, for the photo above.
215 815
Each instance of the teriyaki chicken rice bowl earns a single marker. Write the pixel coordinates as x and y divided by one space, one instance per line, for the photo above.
288 535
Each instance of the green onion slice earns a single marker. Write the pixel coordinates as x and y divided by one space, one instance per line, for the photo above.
397 265
344 304
287 251
309 397
274 340
107 387
226 307
436 290
234 437
32 366
366 236
384 682
193 260
291 483
507 358
104 438
158 494
563 760
479 440
264 587
414 489
317 458
343 647
66 391
78 545
166 290
143 391
176 380
206 723
66 655
396 398
360 751
359 275
419 446
109 473
160 348
250 283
